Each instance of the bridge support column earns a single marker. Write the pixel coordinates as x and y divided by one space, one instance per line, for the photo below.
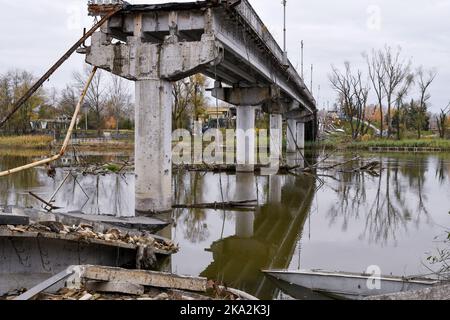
291 134
245 135
301 135
153 151
276 136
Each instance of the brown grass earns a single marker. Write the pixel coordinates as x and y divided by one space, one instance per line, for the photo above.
25 142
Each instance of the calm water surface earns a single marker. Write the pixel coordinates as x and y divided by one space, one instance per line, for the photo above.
350 222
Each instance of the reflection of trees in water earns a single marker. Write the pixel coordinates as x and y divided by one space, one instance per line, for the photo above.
416 178
109 194
391 207
12 185
443 169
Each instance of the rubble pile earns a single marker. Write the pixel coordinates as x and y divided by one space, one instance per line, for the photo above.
85 231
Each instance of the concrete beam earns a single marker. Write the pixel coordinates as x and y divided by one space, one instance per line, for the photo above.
137 60
253 96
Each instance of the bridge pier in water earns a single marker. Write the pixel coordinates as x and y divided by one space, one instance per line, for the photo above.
291 134
300 135
153 146
245 139
276 136
156 45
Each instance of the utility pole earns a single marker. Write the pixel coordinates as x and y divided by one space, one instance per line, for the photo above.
303 75
285 60
312 70
318 96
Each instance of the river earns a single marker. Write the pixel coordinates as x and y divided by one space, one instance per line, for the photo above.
344 221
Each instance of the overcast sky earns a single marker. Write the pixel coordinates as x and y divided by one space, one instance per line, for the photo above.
36 33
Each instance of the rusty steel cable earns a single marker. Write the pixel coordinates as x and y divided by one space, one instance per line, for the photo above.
18 104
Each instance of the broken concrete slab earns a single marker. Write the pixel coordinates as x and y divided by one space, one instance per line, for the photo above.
124 287
146 278
141 223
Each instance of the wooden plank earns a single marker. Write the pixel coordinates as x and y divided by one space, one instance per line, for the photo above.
124 287
46 284
14 220
146 278
433 293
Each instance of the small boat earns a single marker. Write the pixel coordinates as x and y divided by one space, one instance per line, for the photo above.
88 282
343 285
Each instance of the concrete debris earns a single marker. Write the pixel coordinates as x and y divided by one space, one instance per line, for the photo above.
87 232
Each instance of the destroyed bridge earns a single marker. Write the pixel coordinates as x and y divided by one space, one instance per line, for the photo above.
155 45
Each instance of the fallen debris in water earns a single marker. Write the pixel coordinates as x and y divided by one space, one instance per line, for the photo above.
247 205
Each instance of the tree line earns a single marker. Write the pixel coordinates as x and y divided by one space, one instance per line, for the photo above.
108 104
400 90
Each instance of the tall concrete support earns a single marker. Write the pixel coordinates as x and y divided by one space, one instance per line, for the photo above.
276 136
291 134
245 190
245 136
153 66
301 135
153 150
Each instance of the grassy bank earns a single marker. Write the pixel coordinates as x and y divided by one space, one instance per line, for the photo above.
443 144
25 142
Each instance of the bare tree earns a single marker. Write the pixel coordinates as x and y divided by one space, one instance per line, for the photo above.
424 80
442 121
396 71
401 94
353 94
118 99
189 99
95 97
68 101
377 75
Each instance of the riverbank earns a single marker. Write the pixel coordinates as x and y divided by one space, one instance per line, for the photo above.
25 142
385 144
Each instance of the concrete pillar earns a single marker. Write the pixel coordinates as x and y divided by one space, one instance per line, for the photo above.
245 137
245 190
276 136
301 135
153 150
291 134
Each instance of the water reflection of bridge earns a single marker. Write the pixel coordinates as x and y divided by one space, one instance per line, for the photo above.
264 239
